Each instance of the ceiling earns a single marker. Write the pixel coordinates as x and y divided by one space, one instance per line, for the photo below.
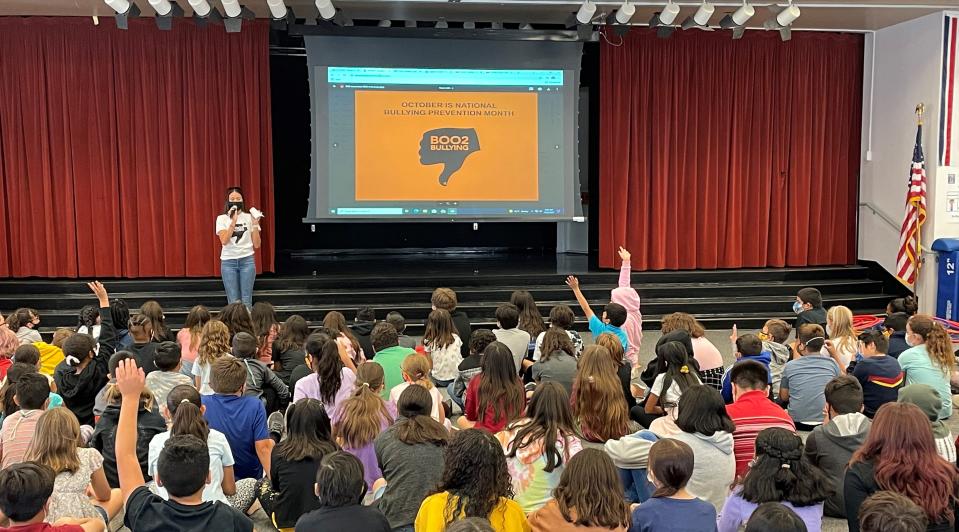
852 15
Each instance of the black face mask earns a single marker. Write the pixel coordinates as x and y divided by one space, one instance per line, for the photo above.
237 204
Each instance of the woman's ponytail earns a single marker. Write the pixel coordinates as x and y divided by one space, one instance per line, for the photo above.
183 402
939 347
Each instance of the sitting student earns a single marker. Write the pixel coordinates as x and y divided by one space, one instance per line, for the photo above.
805 378
670 385
214 344
879 374
888 511
25 323
895 324
445 298
626 295
752 411
339 492
494 397
261 382
8 345
363 417
410 454
706 427
748 347
586 498
842 334
362 327
539 446
416 370
831 445
30 355
188 338
557 362
930 360
708 357
780 474
32 395
266 327
182 469
900 455
562 317
774 335
51 355
168 376
333 381
623 369
597 398
388 353
614 315
79 470
185 410
928 400
25 492
530 320
241 419
288 350
7 392
630 455
471 366
399 324
808 308
774 517
670 469
149 424
475 483
295 461
509 333
335 323
120 314
84 372
442 345
141 328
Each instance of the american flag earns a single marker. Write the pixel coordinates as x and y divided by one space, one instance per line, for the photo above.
910 243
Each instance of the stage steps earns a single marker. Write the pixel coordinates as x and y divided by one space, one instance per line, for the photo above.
719 298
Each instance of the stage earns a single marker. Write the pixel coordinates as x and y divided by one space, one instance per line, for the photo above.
312 284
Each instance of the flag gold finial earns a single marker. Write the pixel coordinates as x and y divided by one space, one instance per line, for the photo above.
920 109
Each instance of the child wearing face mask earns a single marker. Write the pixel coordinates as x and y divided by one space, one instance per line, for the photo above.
670 468
808 308
929 359
804 379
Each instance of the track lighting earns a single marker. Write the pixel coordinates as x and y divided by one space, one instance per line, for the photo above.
277 8
625 13
232 8
326 9
783 20
737 20
703 13
165 12
124 10
586 12
668 14
201 8
788 16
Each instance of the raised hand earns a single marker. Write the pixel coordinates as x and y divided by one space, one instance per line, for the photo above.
101 292
572 282
130 379
623 254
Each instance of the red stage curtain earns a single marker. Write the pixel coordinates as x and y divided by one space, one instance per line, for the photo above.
717 153
116 147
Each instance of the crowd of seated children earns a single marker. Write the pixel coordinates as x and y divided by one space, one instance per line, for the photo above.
708 357
677 377
748 347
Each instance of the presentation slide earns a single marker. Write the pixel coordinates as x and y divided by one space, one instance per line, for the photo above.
422 143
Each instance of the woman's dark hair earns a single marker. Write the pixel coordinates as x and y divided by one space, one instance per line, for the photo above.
471 524
183 403
236 318
590 487
499 387
120 313
154 311
336 322
562 316
415 424
907 305
678 368
550 420
326 360
702 411
480 339
775 516
88 317
599 405
226 202
439 330
474 475
17 369
20 318
263 317
308 432
780 472
339 480
556 340
293 334
671 463
530 319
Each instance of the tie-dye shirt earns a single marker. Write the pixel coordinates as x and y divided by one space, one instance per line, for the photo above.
533 487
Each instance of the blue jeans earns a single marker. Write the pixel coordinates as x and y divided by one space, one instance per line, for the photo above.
460 401
238 276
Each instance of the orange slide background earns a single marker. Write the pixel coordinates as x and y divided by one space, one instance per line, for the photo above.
387 149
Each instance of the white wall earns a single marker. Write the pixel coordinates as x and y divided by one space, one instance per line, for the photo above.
907 71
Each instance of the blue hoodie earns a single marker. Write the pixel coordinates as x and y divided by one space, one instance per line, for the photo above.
727 390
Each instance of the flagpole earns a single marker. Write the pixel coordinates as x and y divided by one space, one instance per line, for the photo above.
920 109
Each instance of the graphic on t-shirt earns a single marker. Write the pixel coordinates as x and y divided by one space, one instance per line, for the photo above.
448 146
238 231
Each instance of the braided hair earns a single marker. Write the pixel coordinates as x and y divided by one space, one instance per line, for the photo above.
780 472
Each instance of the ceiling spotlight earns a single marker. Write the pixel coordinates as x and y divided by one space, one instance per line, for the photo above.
703 13
326 9
277 8
668 14
736 20
783 20
586 12
162 7
165 12
201 8
442 24
663 21
625 13
124 10
231 8
382 24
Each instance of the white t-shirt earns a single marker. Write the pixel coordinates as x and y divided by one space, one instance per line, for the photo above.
220 456
203 371
434 393
671 396
240 244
